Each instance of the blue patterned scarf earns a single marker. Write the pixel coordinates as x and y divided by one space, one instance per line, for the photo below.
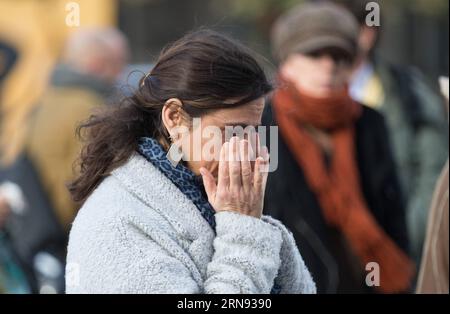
184 179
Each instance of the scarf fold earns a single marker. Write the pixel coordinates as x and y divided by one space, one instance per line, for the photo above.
337 187
184 179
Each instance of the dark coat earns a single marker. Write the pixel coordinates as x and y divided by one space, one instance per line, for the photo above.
37 228
334 268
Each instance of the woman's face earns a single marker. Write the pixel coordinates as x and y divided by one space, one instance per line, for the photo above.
318 74
201 145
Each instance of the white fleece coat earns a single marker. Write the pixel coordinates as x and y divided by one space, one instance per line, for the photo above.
137 233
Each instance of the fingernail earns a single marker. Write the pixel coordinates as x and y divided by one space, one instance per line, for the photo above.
265 152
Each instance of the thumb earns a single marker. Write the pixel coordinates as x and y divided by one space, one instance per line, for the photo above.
209 183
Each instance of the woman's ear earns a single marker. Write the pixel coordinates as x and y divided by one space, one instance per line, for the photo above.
172 114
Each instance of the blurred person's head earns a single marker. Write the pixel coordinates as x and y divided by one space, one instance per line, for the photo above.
99 52
316 46
202 75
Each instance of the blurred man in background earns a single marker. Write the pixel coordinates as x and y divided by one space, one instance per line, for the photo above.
92 61
415 117
336 186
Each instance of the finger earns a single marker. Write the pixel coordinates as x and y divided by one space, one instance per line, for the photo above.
209 184
264 153
266 157
246 167
251 151
261 171
254 141
258 145
234 164
223 181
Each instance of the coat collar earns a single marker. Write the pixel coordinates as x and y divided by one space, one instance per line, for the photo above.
147 183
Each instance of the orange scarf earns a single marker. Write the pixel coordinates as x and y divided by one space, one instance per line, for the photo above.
338 188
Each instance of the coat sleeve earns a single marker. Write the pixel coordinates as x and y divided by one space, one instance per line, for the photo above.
246 257
246 260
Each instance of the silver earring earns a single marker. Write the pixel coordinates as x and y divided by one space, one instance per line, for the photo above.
175 154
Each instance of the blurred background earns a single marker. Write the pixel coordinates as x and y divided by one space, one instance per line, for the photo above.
417 29
416 33
33 35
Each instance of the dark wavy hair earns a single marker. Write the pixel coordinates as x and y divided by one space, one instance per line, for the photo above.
204 69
